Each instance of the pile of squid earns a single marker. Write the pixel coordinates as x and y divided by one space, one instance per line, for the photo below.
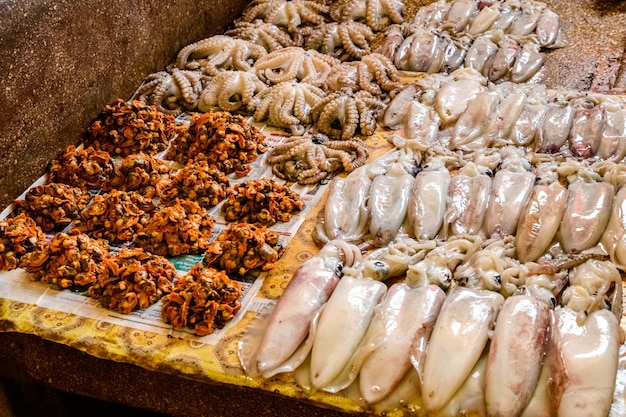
503 40
464 111
440 334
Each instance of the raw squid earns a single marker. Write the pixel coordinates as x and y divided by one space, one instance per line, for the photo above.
583 361
440 263
342 325
508 111
458 339
586 132
422 51
427 201
468 200
474 120
613 237
452 98
613 142
394 259
525 129
516 355
403 324
540 220
586 214
346 212
469 400
554 130
388 203
309 289
510 191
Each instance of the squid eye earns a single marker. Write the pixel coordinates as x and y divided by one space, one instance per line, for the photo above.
553 302
497 279
379 264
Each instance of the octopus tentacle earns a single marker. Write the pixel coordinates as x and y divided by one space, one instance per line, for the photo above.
231 91
171 91
267 35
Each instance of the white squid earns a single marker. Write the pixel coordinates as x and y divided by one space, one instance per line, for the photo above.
342 324
461 333
468 200
540 220
403 324
613 239
516 355
427 201
309 289
511 189
388 203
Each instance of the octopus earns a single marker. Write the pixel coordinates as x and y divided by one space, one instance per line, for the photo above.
340 115
342 40
171 91
288 105
231 91
377 14
295 63
219 53
309 159
374 73
290 14
268 35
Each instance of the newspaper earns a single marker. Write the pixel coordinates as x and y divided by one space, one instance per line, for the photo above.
14 285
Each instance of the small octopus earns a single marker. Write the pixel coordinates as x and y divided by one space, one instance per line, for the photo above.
377 14
219 53
288 105
171 91
295 63
341 114
286 13
342 40
231 91
374 73
268 35
310 158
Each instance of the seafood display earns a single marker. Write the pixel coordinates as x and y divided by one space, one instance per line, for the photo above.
472 241
133 279
180 228
261 201
54 205
203 300
242 247
125 128
227 142
69 260
19 236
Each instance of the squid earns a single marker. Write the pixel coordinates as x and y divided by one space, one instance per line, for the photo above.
540 220
403 324
469 400
342 325
346 212
460 334
586 214
586 132
555 128
468 200
511 189
583 361
427 201
613 240
453 96
613 141
474 121
388 203
309 289
516 355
